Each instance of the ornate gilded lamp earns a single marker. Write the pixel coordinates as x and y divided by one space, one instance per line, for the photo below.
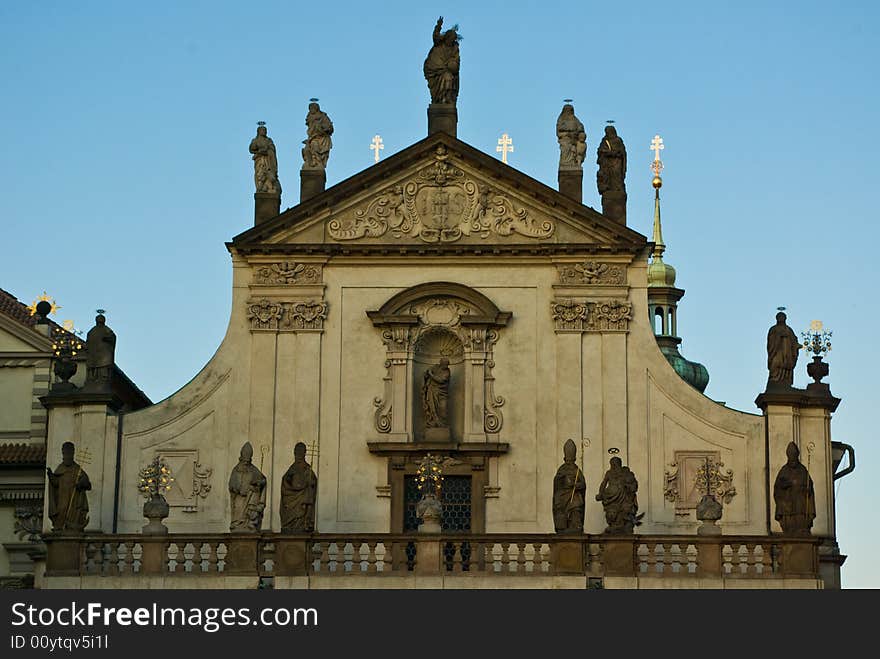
429 480
153 481
65 346
817 340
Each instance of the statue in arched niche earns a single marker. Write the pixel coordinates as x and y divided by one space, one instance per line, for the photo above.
435 400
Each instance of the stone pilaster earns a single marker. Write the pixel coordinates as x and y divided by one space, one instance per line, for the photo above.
90 422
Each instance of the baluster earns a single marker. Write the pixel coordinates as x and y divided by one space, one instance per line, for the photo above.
89 563
520 558
762 567
222 553
691 553
128 560
111 559
372 559
213 558
505 556
660 555
644 562
333 556
743 559
726 559
529 556
675 559
456 557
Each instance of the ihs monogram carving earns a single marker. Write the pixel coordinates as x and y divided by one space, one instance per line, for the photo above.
591 273
591 316
271 315
288 272
439 204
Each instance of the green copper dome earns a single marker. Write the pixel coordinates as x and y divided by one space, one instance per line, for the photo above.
693 373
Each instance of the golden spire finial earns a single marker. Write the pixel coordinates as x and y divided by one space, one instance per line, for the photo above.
657 167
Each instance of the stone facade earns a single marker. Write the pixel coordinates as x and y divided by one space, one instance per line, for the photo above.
539 304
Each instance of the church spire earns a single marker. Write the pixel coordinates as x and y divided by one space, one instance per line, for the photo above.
663 296
657 167
659 273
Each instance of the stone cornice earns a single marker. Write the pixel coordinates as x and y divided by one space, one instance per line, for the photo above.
797 398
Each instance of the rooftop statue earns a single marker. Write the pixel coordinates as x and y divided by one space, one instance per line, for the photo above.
572 139
100 351
265 163
317 147
441 65
611 157
782 353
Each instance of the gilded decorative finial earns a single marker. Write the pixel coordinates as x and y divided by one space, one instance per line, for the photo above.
657 165
50 307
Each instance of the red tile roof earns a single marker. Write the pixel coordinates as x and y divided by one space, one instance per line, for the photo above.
23 454
10 306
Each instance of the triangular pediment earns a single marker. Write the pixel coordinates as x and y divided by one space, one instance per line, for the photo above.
443 192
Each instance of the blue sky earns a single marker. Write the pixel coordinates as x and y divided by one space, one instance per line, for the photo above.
124 165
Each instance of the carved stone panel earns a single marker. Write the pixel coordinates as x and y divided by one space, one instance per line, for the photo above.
685 480
280 316
288 273
591 273
573 315
439 204
192 480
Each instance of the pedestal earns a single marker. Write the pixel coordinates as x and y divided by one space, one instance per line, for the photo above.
567 557
437 435
312 182
442 118
614 206
571 183
266 206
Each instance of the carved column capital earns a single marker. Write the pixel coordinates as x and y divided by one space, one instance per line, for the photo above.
581 315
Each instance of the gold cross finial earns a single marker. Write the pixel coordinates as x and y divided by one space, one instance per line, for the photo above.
657 147
375 146
505 146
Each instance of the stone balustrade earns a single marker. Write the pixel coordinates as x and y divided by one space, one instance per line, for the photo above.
381 555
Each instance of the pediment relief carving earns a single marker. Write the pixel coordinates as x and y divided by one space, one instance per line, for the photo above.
440 203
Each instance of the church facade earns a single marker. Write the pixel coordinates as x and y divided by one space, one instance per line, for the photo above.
444 309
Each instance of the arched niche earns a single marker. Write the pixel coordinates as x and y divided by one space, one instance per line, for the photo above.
417 326
434 344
